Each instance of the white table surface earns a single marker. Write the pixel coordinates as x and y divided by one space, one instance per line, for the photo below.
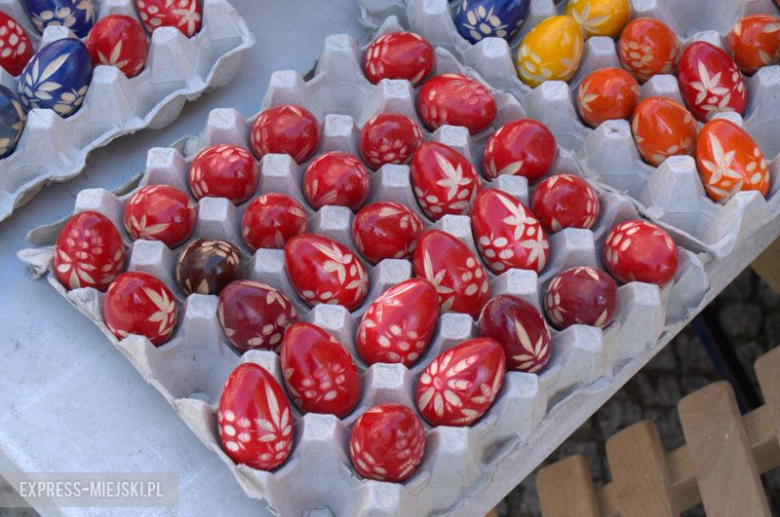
68 400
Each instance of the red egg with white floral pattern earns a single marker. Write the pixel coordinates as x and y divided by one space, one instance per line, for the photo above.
271 220
120 41
507 234
387 443
386 230
455 100
185 15
138 303
648 47
454 271
286 129
581 296
319 373
254 420
225 171
607 94
444 180
389 138
88 252
522 147
17 49
520 329
160 213
325 271
399 55
254 315
565 201
710 81
640 251
399 325
460 385
336 178
755 42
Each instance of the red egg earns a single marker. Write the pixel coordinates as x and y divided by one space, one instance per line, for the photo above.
755 42
254 420
454 271
387 443
120 41
607 94
160 213
325 271
710 81
271 220
565 201
89 252
443 179
581 295
640 251
460 385
138 303
455 100
507 234
520 329
389 138
386 230
319 373
522 147
399 55
185 15
224 171
287 129
17 49
336 178
399 325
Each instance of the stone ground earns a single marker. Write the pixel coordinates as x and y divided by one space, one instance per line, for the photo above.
750 315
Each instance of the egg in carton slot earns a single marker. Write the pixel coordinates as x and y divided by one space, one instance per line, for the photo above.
178 69
671 195
190 370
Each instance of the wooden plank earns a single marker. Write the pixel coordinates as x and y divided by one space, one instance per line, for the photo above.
493 512
639 472
718 444
768 373
566 489
767 265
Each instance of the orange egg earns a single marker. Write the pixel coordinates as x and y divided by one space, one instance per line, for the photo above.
648 47
755 42
730 161
663 128
607 94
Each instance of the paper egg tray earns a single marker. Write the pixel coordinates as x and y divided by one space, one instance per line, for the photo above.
190 370
671 195
177 70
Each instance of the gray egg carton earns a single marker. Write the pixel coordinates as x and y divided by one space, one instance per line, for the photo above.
317 478
177 70
671 195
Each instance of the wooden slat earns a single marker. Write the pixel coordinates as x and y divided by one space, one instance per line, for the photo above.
720 451
768 373
566 489
639 472
767 265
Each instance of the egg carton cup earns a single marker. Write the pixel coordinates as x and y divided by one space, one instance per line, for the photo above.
177 70
191 369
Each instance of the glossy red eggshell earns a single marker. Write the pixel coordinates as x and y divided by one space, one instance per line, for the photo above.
522 147
389 138
225 171
399 55
455 100
581 295
17 49
336 178
160 213
271 220
710 81
386 230
120 41
185 15
138 303
640 251
565 201
286 129
444 181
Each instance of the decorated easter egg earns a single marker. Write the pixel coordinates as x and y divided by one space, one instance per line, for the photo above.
12 119
271 220
386 230
565 201
600 17
522 147
17 49
648 47
138 303
57 77
480 19
663 128
389 138
120 41
206 266
76 15
455 100
607 94
640 251
730 161
399 55
581 295
551 51
160 213
225 171
444 181
185 15
336 178
710 81
755 42
286 129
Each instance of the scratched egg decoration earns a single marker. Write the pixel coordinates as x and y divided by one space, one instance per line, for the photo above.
16 49
480 19
12 119
551 51
76 15
57 77
600 17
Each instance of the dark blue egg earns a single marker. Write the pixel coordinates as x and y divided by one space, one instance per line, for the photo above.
12 117
479 19
57 77
77 15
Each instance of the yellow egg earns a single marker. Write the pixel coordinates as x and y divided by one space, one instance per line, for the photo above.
551 51
600 17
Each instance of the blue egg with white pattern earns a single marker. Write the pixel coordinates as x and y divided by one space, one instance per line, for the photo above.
480 19
57 77
76 15
12 118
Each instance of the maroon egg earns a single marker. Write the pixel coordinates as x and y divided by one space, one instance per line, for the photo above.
581 295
